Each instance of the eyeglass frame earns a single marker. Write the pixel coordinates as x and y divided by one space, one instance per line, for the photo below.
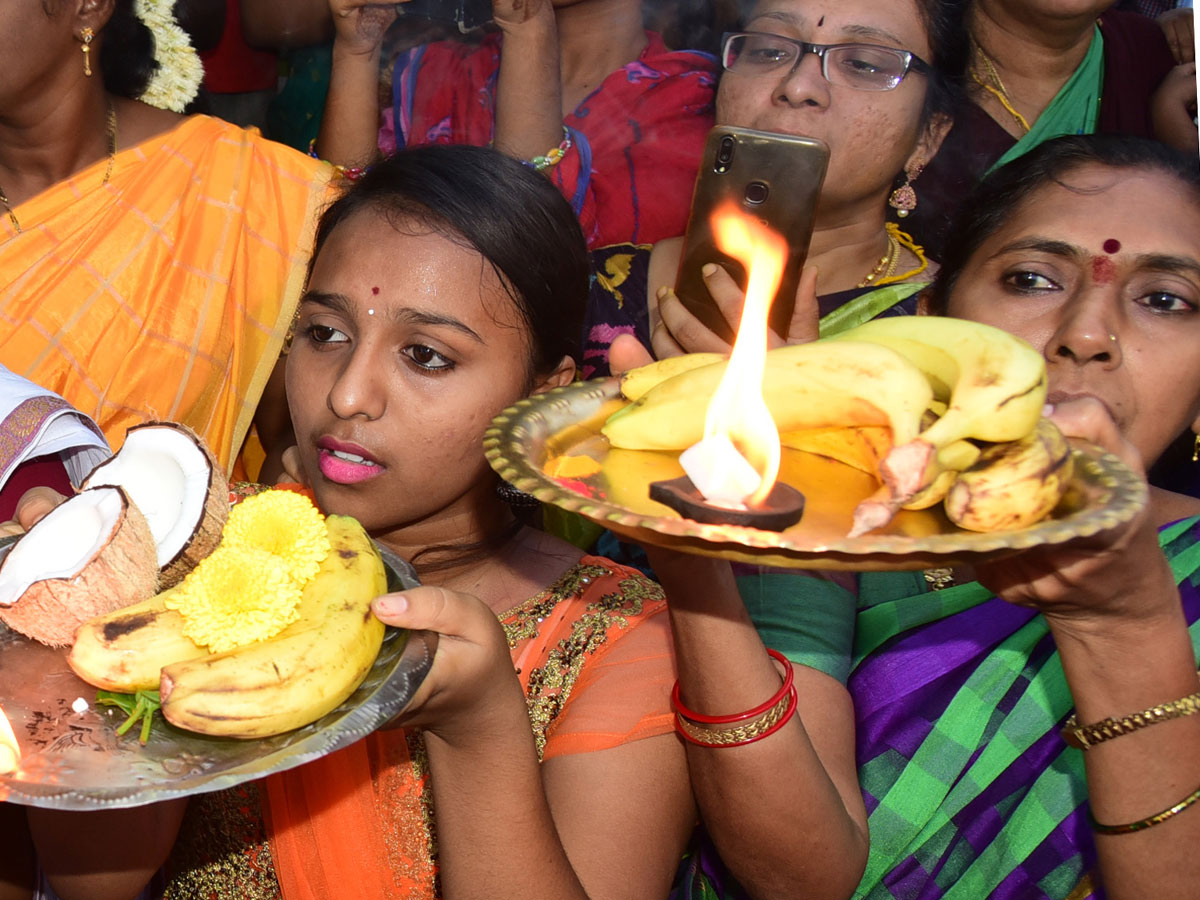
912 62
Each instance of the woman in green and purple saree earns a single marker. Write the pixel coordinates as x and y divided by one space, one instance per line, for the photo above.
974 692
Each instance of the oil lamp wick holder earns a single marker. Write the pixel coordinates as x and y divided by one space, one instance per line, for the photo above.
783 507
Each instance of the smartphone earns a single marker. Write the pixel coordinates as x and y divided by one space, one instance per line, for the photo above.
466 14
773 177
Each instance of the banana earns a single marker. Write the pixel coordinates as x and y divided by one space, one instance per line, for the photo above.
862 448
10 750
812 385
935 493
994 385
302 673
636 383
125 650
1013 485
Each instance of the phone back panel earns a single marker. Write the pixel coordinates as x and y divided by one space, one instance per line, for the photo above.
774 177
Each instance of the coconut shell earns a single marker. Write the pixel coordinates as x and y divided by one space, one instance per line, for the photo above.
207 534
124 571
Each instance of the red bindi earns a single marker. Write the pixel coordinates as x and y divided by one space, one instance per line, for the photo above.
374 290
1112 245
1103 270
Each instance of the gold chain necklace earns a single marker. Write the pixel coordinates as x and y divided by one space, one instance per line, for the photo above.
888 261
111 135
994 85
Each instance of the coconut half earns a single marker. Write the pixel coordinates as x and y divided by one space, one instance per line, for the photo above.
93 554
179 487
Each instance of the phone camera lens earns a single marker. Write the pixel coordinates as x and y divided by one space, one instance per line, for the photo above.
725 152
756 193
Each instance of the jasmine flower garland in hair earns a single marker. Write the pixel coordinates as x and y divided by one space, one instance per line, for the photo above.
180 71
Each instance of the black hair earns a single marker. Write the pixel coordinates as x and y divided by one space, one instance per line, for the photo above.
514 217
692 24
1001 194
950 51
127 52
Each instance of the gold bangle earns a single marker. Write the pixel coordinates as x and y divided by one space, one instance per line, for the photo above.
1149 822
1085 736
740 734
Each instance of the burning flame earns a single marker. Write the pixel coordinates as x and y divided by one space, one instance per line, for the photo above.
737 409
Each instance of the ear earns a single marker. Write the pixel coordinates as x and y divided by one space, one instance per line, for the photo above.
931 141
564 373
94 14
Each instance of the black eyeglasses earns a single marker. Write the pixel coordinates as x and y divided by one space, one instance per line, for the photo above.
864 67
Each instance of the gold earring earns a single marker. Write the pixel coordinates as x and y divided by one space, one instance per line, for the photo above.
1196 450
87 34
904 198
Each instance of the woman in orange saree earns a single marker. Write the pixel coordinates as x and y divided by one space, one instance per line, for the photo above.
149 263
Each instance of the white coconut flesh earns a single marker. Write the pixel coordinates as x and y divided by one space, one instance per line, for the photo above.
62 543
167 474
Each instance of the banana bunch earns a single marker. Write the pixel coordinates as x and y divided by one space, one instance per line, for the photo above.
940 410
260 689
814 385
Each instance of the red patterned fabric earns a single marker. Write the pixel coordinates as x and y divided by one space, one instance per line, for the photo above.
636 139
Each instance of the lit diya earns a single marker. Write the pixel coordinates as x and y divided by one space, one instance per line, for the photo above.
732 474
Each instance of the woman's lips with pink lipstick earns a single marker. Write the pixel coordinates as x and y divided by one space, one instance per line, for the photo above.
345 463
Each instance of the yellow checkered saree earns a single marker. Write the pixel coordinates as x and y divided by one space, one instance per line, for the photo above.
165 293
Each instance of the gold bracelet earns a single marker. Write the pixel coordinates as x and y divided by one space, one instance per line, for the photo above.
1085 736
745 733
1149 822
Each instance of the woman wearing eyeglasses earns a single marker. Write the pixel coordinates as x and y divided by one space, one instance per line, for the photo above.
874 81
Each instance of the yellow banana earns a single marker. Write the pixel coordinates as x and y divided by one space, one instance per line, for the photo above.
996 386
636 383
10 750
862 448
811 385
1013 485
126 650
302 673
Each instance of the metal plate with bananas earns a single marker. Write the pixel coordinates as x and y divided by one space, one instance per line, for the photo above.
76 761
565 422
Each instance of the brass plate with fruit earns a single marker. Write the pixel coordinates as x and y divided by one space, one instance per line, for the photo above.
75 760
560 431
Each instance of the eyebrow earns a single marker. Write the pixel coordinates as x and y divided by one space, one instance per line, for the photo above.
862 31
337 302
424 317
1162 262
343 304
1165 262
1042 245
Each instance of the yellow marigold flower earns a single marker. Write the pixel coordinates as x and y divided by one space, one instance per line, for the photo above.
283 523
236 596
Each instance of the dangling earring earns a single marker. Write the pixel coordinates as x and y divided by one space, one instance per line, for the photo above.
904 198
87 34
1196 450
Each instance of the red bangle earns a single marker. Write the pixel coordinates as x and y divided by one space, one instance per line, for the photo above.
739 736
681 710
